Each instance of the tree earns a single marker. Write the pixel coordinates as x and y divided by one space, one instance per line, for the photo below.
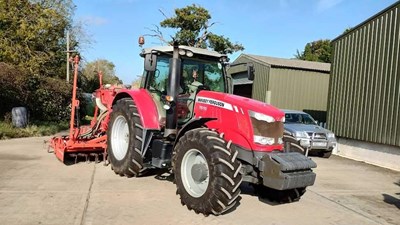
192 24
347 30
32 34
319 51
32 56
90 74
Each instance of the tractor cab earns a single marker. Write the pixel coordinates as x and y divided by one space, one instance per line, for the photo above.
199 69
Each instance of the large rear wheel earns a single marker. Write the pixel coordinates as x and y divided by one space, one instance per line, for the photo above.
124 138
207 173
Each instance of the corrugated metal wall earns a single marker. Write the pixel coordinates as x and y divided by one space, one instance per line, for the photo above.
262 73
287 88
365 81
298 89
261 76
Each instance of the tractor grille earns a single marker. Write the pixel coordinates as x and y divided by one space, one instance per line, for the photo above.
317 136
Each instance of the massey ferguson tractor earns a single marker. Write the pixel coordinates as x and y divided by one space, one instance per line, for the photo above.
184 119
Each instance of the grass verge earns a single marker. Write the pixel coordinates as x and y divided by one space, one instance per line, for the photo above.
34 129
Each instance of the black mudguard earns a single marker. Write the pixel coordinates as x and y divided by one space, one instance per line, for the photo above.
192 124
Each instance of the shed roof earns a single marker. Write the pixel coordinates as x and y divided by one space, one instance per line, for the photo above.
290 63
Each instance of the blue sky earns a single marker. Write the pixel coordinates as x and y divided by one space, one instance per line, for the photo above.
265 27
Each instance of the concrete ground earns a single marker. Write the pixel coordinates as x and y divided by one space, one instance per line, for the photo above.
35 188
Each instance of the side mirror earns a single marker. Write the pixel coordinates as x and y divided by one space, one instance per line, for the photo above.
250 71
150 62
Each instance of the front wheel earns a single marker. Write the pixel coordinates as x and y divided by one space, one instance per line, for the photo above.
280 196
207 173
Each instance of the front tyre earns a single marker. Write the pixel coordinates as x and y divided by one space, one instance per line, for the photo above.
280 196
207 173
124 138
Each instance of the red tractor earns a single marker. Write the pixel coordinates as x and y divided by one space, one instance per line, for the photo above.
182 118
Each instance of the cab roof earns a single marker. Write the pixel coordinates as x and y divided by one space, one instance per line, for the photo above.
196 51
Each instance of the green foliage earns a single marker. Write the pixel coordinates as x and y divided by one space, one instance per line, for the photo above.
35 129
222 44
11 94
46 98
347 30
192 23
33 58
32 34
319 51
89 80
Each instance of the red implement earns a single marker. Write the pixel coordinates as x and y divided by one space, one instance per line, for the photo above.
84 141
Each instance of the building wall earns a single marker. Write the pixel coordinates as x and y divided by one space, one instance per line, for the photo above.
261 76
365 81
298 89
377 154
287 88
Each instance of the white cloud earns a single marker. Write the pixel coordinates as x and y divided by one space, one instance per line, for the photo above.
323 5
94 20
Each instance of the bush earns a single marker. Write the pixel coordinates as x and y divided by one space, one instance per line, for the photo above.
47 99
11 83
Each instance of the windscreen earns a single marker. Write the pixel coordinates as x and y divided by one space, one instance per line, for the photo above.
202 72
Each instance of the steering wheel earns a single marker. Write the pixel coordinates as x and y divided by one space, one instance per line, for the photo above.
153 89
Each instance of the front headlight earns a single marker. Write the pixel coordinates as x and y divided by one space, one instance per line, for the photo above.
264 140
260 116
330 135
301 134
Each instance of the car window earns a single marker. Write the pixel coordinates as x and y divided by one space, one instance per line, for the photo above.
299 118
292 118
307 119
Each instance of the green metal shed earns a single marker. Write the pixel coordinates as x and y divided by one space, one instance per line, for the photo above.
364 90
284 83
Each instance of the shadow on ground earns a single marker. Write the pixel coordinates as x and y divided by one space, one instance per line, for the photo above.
248 189
391 199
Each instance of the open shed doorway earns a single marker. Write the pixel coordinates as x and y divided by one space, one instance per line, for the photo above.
244 90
